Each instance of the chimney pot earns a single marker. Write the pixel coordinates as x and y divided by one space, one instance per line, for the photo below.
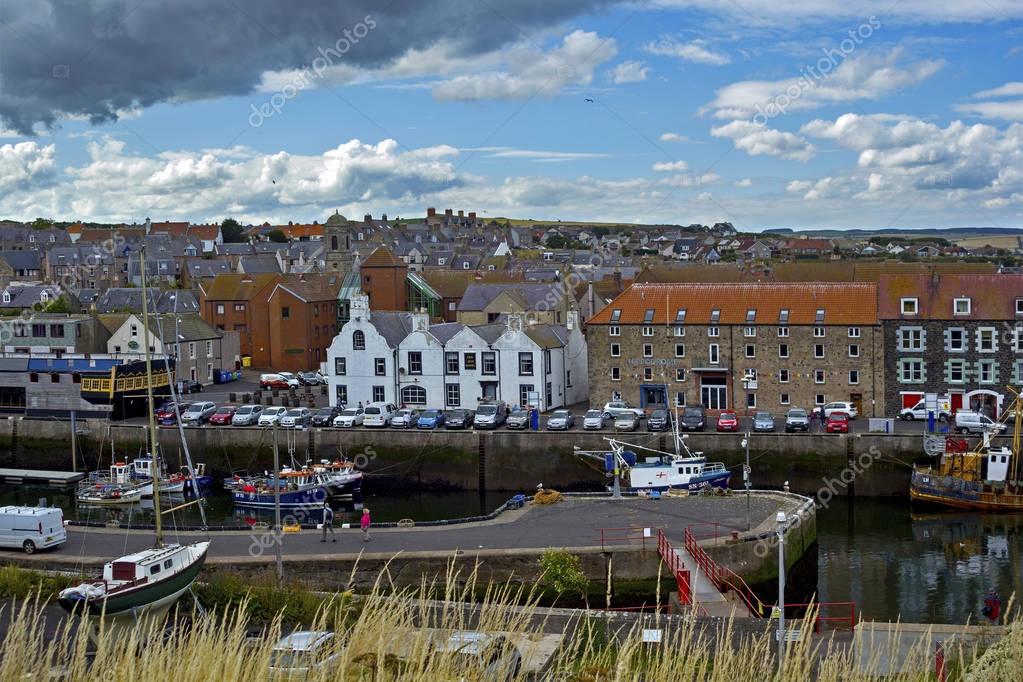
448 212
430 212
383 216
472 215
461 213
368 218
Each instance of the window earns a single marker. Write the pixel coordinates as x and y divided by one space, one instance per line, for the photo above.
1019 306
209 348
783 376
784 399
616 315
854 376
854 332
987 372
783 332
33 378
751 400
469 361
819 376
220 309
415 362
783 316
489 363
854 350
818 350
680 374
751 350
680 350
358 340
379 395
909 306
820 399
614 331
713 332
547 362
714 353
342 394
648 316
133 330
525 364
648 331
340 366
783 350
715 316
961 306
819 332
680 316
749 331
648 374
191 350
955 371
616 374
451 363
616 350
39 331
986 341
911 339
285 312
955 340
57 331
751 315
680 398
524 391
911 371
54 378
819 316
413 395
379 367
648 350
239 307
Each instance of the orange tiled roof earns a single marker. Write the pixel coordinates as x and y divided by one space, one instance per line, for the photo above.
175 229
381 257
206 232
992 296
301 231
842 303
235 287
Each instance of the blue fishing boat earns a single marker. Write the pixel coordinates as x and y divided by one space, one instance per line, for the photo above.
308 486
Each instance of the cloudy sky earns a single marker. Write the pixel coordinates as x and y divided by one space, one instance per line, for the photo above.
804 113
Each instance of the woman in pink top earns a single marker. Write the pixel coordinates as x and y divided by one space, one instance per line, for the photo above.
365 524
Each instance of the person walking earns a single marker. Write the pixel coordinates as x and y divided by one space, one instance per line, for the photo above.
328 523
364 524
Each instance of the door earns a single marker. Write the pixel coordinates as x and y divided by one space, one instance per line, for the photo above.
714 393
652 396
857 400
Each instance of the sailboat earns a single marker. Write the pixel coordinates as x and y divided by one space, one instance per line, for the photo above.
146 582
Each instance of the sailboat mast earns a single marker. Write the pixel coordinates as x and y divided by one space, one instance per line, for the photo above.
149 395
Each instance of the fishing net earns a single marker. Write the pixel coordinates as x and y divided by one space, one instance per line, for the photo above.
546 496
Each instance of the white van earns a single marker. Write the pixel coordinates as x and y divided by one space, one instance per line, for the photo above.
31 528
974 422
379 414
919 410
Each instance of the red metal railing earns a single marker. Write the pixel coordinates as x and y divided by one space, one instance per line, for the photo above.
724 578
677 568
625 536
845 610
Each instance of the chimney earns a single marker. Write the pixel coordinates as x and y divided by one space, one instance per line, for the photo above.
383 217
431 212
448 212
472 216
461 213
617 276
359 306
368 218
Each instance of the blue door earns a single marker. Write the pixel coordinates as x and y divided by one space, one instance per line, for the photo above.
652 395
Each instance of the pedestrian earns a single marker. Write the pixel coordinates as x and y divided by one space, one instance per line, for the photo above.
328 523
365 524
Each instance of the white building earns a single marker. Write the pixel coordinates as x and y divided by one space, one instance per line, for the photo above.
400 357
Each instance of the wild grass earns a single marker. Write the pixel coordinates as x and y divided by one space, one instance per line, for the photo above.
390 634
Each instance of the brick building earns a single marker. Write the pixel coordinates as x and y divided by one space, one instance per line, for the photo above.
238 303
954 334
739 346
384 279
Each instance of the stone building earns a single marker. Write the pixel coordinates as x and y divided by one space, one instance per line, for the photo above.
739 346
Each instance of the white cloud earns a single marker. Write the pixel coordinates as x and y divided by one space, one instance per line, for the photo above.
1011 89
538 155
1011 110
629 72
673 137
745 182
759 12
25 165
798 185
693 51
757 140
672 166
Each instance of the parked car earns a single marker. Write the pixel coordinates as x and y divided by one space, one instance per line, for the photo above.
405 418
837 422
311 379
350 417
797 420
728 421
247 415
613 407
694 418
626 421
223 415
490 415
458 419
560 420
305 654
198 413
271 416
291 378
659 420
967 421
297 417
31 528
594 420
379 414
763 422
518 419
190 386
324 416
848 408
480 655
166 415
271 381
919 410
430 419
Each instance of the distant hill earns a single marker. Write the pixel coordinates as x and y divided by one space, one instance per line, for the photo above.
949 233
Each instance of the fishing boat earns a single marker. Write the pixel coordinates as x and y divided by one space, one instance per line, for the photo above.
660 471
300 487
146 582
114 488
985 477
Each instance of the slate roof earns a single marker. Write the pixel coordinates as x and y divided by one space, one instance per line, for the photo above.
22 260
393 326
490 332
478 296
547 335
445 331
261 264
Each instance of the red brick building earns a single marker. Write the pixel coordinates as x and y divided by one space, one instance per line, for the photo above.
384 279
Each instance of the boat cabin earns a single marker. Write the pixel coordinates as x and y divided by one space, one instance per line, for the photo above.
120 473
150 564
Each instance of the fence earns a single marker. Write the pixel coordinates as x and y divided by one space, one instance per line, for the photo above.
625 536
674 561
723 578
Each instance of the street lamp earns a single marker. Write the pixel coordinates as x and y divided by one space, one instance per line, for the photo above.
780 518
746 479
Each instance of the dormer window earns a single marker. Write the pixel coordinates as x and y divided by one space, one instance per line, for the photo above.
819 317
648 316
44 296
616 315
909 306
751 315
715 316
680 315
441 261
465 265
7 297
961 306
783 316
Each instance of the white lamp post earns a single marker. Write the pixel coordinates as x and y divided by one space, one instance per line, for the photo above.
780 518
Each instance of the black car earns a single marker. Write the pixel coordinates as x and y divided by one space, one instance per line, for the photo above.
310 378
659 420
693 419
190 386
458 419
325 416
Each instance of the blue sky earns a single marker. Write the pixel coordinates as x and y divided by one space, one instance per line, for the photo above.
676 111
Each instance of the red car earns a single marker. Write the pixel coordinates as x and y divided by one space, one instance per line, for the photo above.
223 415
837 422
728 421
165 415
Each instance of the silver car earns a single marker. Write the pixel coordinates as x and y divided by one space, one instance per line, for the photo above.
593 420
198 413
306 653
247 415
518 419
626 421
560 420
297 417
405 418
763 421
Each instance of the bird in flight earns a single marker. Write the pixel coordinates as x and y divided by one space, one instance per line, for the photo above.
589 99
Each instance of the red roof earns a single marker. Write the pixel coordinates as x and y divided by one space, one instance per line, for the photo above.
992 296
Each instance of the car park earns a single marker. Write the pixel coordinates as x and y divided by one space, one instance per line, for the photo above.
763 422
694 418
223 415
848 408
350 417
297 417
405 418
613 407
626 421
967 421
797 420
198 413
324 416
31 528
458 419
166 415
594 420
430 419
490 415
247 415
518 419
728 421
190 386
305 654
271 416
659 420
379 414
837 422
273 381
560 420
311 379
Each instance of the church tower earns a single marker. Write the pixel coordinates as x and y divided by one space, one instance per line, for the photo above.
337 232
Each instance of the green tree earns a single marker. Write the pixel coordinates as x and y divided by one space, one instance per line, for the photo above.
278 236
556 241
41 223
232 231
561 571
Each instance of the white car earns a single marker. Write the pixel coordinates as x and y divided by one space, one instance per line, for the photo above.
292 379
271 416
848 408
296 416
198 413
305 653
594 419
612 408
379 414
349 417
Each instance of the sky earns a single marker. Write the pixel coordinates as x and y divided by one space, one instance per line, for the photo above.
801 114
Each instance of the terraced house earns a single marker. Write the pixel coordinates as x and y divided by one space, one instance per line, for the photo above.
739 346
960 335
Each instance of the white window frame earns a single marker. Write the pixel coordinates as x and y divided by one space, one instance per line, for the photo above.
680 330
990 332
648 350
854 350
614 330
909 306
854 377
714 354
854 332
819 332
918 347
963 340
783 347
818 351
964 311
680 374
714 332
648 331
616 350
751 350
749 332
680 350
616 374
991 365
784 399
783 332
820 376
784 376
906 370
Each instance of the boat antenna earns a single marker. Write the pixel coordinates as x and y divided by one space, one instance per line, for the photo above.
149 397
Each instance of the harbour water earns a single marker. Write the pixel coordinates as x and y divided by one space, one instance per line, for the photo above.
892 561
